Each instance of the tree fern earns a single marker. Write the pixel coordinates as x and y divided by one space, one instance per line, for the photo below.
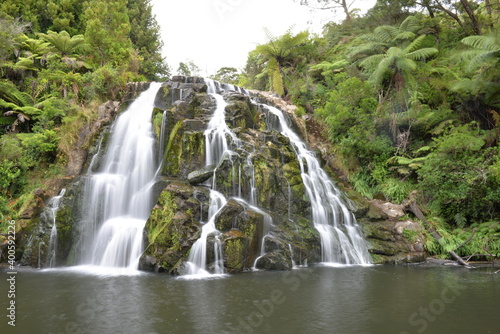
393 51
276 53
64 43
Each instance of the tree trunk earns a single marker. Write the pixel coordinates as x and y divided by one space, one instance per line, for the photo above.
412 206
346 11
450 13
472 16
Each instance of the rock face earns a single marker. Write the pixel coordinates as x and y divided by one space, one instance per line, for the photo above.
260 178
392 240
262 169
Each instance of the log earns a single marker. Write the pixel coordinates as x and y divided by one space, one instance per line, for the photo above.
411 205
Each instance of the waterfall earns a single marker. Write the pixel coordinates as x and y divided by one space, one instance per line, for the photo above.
53 206
197 261
217 147
117 198
341 238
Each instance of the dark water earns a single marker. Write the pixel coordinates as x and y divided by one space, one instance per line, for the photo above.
379 299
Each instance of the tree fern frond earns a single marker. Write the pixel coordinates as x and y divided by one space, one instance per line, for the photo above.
405 36
386 33
10 93
490 43
406 65
422 54
415 44
483 58
372 61
410 24
381 70
368 48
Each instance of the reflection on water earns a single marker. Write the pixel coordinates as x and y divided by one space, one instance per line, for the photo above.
378 299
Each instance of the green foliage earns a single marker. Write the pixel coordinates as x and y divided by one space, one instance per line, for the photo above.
39 145
107 32
188 68
482 59
410 235
228 75
145 36
456 176
277 53
394 53
484 241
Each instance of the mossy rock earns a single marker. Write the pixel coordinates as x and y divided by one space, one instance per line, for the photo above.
184 152
173 226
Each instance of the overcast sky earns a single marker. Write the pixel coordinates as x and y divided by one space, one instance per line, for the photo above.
218 33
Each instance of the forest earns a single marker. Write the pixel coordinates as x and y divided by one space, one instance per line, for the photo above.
408 95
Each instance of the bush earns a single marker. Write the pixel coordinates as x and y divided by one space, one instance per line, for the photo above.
456 176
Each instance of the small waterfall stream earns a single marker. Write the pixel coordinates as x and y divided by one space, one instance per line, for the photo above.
341 239
53 206
117 198
216 148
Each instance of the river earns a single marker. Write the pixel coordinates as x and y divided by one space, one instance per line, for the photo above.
318 299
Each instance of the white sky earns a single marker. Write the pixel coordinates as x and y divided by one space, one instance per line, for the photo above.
218 33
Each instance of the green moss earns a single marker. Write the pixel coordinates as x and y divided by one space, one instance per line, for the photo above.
157 121
171 166
234 250
160 220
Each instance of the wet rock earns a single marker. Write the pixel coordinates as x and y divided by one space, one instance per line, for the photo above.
276 260
201 175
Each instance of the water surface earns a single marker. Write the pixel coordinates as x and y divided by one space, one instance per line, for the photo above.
377 299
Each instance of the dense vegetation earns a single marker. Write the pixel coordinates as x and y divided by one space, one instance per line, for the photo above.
58 60
409 94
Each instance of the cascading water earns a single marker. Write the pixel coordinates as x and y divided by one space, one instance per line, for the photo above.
341 239
216 147
53 206
197 261
117 198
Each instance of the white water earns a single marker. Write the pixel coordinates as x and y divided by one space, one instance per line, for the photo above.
117 199
197 261
218 139
341 239
52 248
216 147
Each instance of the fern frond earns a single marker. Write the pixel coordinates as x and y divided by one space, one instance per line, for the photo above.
422 54
386 33
368 48
382 69
406 65
489 43
482 59
372 61
415 44
409 24
405 36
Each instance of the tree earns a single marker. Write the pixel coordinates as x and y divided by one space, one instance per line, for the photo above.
276 53
188 68
107 32
145 36
10 29
483 59
454 9
395 52
63 43
228 75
